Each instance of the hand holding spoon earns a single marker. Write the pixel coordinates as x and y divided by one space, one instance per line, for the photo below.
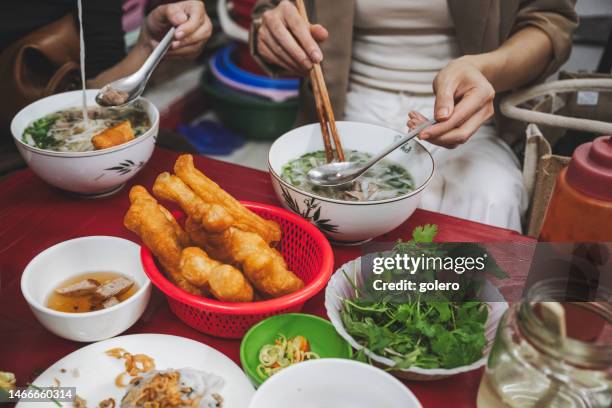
338 173
127 89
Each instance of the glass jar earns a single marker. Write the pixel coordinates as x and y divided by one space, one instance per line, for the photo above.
531 365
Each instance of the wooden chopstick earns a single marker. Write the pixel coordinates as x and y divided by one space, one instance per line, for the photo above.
329 152
324 109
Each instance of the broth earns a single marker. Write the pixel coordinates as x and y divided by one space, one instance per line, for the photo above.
66 131
85 303
383 181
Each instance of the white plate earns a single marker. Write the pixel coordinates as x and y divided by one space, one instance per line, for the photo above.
97 371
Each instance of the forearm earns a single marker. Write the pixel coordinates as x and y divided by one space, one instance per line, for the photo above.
128 65
519 60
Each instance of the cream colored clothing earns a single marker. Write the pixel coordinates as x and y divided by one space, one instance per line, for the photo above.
480 180
401 45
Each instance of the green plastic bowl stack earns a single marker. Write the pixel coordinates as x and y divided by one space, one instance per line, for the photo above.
249 115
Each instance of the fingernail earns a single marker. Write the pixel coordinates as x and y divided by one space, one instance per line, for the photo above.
443 112
423 136
179 34
316 56
181 17
175 44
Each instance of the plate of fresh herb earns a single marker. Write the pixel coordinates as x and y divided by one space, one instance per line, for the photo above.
417 336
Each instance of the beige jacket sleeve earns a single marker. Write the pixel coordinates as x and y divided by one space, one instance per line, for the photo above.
558 19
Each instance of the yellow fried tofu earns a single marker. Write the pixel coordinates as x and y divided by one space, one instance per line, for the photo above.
114 136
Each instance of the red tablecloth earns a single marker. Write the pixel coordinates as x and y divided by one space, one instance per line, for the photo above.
34 216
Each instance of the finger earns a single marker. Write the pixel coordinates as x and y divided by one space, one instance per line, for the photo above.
318 32
469 104
285 39
462 134
444 89
196 17
190 51
202 34
418 117
270 57
174 14
280 53
301 31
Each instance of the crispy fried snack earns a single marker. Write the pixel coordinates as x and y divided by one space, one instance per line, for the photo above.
224 282
160 232
211 193
172 188
118 134
263 266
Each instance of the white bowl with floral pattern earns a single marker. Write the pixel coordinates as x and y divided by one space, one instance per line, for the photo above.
350 222
91 174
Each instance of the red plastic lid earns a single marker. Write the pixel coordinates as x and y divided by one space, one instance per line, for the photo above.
590 170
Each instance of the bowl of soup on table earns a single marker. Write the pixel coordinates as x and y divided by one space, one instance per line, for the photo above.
87 289
376 203
90 152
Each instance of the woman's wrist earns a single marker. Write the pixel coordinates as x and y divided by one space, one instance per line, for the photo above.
488 64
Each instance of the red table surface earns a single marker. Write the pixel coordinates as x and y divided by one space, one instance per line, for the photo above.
35 216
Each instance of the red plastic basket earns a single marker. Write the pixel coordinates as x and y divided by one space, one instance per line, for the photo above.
308 255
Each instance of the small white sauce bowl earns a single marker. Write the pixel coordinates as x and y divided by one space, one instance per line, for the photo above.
333 382
68 259
350 222
96 173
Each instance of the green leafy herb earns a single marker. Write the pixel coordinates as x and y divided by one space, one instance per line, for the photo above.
414 332
38 131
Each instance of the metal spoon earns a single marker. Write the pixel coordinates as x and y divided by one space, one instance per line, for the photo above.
127 89
338 173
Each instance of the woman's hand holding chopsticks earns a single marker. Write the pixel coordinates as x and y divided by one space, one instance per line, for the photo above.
287 40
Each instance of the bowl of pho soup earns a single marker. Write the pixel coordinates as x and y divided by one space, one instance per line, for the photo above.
376 203
90 155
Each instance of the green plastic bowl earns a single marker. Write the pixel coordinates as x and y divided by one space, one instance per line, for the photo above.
320 333
250 116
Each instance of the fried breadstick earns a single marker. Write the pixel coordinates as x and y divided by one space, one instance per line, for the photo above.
160 233
224 282
172 188
211 193
263 266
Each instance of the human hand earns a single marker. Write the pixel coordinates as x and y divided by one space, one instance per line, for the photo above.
464 101
286 40
193 27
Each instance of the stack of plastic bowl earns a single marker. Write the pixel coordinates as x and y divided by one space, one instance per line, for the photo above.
251 104
243 96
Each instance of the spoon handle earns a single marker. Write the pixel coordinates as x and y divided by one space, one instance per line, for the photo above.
156 56
400 142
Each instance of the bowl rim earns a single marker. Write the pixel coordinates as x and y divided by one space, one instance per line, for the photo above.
356 203
256 102
258 325
343 361
160 281
223 62
47 310
45 152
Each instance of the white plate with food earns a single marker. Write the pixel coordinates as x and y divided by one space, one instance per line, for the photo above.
207 378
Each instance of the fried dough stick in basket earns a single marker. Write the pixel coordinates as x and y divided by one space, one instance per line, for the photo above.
263 266
171 188
211 193
160 232
223 281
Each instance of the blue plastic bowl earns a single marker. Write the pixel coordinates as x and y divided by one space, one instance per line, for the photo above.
223 63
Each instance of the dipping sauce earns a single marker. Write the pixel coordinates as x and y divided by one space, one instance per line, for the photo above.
383 181
91 291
